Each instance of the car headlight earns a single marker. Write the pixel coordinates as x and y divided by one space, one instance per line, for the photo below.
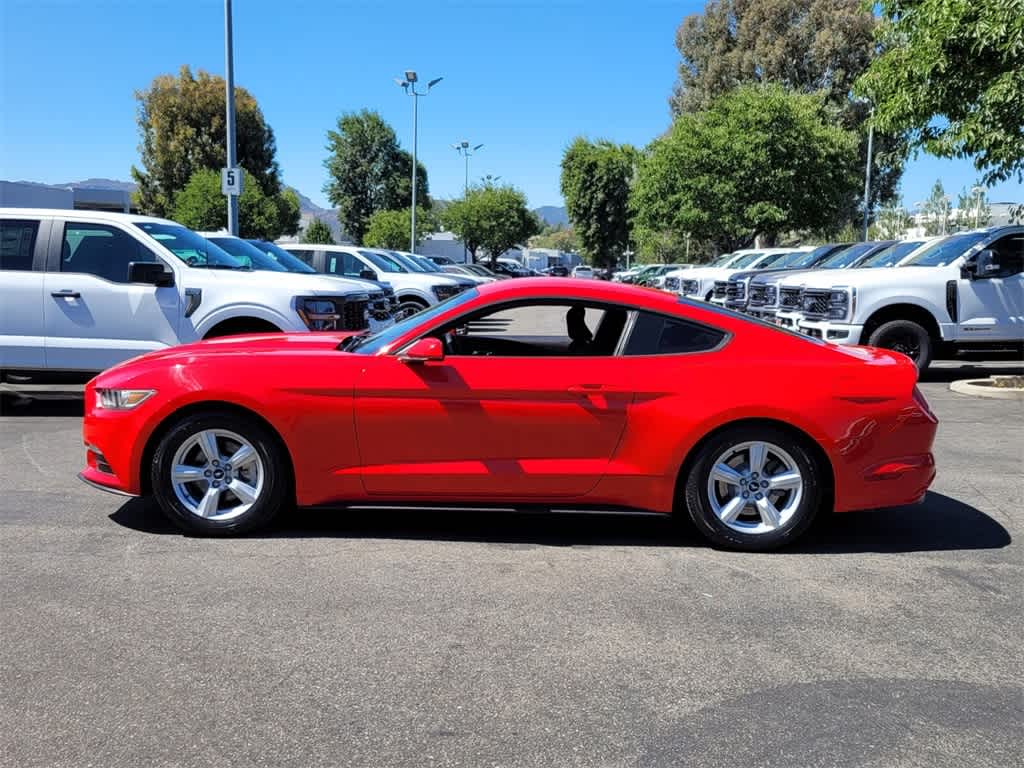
320 313
122 399
444 292
771 294
840 300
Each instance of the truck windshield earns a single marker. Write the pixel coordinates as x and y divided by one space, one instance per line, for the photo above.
811 257
249 255
282 257
847 256
946 251
745 261
383 263
194 250
891 256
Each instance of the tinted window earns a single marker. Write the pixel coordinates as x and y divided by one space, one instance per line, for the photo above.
282 257
659 335
383 263
811 257
247 254
1009 255
189 247
891 256
343 263
306 257
101 250
17 242
947 251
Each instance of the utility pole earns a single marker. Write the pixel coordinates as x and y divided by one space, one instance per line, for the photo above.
409 86
231 181
977 206
467 152
867 173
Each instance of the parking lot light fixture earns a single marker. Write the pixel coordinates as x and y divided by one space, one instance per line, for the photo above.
408 85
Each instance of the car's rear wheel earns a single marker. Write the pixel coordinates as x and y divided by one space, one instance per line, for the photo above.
907 337
753 488
219 474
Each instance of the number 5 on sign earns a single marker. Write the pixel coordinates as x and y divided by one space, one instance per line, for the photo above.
231 181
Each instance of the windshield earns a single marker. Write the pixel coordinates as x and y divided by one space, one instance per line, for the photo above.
847 256
194 250
788 258
811 257
891 256
372 344
746 261
425 265
282 257
249 255
773 260
946 251
383 263
721 262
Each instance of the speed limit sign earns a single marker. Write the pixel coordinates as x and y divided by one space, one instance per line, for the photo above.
231 181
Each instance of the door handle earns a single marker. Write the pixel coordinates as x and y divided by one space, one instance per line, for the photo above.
66 295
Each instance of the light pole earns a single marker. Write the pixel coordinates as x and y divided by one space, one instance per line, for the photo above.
945 213
867 172
409 86
229 65
467 152
977 205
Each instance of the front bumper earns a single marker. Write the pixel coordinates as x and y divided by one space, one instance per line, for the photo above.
788 319
717 301
763 313
828 330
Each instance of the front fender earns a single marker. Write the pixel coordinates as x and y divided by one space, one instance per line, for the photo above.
246 310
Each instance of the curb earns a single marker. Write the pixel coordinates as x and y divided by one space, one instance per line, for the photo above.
977 389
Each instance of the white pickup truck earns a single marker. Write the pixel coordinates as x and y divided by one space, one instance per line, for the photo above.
81 291
965 292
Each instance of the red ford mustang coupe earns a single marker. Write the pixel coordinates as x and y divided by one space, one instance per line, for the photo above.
541 393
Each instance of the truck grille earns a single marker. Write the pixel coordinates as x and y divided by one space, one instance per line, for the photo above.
672 283
789 298
721 287
354 316
736 291
758 295
815 302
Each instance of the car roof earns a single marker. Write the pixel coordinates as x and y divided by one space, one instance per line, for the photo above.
74 213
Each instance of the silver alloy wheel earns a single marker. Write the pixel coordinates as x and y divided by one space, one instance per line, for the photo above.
217 475
755 487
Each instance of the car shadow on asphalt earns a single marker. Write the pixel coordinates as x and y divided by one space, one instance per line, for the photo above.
958 370
939 523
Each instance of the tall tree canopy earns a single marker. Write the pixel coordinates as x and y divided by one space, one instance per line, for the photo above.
391 229
596 179
369 171
182 126
759 160
808 46
200 205
491 218
953 75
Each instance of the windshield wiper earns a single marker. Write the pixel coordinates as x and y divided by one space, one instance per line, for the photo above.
347 345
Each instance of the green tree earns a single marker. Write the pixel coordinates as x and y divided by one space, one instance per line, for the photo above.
807 46
391 229
952 74
892 222
558 237
318 232
492 219
596 179
182 128
200 205
660 247
760 160
936 210
369 171
973 208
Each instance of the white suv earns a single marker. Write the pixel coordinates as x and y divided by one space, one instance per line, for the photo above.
81 291
416 290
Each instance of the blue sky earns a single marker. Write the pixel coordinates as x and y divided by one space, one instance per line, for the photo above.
522 77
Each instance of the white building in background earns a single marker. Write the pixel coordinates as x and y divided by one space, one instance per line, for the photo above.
25 194
1000 214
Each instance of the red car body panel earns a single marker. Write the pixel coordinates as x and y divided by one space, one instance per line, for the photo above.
592 431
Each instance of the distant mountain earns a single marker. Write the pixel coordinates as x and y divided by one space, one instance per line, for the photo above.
553 215
123 186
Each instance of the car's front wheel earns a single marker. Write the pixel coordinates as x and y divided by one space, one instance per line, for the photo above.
219 474
753 488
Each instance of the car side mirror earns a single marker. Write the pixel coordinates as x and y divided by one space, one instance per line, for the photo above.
150 273
367 274
423 351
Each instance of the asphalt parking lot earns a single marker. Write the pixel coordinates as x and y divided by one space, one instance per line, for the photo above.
886 638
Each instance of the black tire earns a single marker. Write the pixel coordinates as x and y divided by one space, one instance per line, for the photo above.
277 481
410 306
698 504
906 337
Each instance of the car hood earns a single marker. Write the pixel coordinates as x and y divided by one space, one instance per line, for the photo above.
706 273
296 283
870 276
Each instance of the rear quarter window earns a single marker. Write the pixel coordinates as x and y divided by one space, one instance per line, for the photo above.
17 244
654 334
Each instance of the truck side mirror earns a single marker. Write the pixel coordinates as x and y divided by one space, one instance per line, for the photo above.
985 264
150 273
367 274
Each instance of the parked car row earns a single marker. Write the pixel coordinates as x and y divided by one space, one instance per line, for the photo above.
924 297
85 290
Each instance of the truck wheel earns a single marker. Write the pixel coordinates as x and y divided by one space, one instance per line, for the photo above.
409 306
907 337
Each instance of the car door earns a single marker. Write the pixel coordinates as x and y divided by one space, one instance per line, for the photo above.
23 243
491 426
991 306
95 318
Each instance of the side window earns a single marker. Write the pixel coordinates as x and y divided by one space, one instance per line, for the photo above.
100 250
17 244
302 255
1009 255
352 267
658 335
